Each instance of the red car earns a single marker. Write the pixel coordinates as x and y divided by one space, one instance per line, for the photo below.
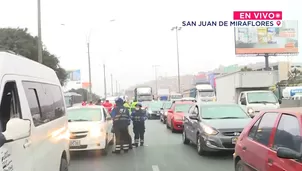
271 142
176 113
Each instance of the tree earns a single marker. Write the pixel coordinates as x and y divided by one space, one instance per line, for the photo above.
85 94
22 43
246 69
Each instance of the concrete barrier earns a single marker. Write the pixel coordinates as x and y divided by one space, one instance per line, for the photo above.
291 103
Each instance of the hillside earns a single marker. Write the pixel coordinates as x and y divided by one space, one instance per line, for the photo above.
166 82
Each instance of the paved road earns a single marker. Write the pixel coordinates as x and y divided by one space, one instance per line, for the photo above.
164 151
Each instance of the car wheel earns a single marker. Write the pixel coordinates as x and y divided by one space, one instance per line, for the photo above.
239 166
164 121
63 165
199 144
185 140
172 127
105 150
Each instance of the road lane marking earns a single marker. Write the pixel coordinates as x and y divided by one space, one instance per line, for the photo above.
155 168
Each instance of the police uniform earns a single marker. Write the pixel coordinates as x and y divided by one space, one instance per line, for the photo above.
138 117
121 120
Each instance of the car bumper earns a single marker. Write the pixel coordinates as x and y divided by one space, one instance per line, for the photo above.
219 143
87 143
178 125
154 115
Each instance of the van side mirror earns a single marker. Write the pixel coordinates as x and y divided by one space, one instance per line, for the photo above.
280 101
243 102
16 129
287 153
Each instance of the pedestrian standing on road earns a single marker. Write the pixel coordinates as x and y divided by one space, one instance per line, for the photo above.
108 105
139 117
121 120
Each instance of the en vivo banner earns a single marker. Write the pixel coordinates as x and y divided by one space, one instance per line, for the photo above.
267 40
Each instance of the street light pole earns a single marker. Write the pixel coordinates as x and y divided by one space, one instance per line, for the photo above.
40 48
89 70
176 28
105 84
111 85
156 80
116 88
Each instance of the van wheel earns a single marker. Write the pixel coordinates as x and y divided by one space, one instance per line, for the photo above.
239 166
64 165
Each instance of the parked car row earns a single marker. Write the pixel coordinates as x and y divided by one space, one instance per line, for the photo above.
271 141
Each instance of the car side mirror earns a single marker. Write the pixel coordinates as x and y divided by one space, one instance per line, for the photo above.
287 153
16 129
280 101
161 108
194 117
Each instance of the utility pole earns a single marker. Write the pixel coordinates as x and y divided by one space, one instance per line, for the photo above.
89 69
105 84
40 48
111 85
178 70
156 80
116 87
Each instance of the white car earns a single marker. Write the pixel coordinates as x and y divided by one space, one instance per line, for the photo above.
33 121
90 128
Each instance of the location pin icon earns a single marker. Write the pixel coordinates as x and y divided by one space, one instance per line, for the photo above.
278 23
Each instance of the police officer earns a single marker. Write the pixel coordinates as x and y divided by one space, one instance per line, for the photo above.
121 121
138 117
133 104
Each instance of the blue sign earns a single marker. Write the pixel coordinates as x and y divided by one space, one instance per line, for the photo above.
294 91
75 75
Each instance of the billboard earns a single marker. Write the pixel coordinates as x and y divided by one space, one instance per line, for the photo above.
267 40
74 75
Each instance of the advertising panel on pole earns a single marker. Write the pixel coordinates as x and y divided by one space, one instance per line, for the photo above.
257 41
74 75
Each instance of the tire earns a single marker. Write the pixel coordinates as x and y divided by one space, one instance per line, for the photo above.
185 140
164 121
239 166
172 127
63 165
199 145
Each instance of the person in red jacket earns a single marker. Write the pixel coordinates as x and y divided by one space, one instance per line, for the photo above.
108 105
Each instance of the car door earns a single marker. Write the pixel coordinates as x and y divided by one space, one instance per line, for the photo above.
108 123
188 127
15 155
195 124
287 135
255 147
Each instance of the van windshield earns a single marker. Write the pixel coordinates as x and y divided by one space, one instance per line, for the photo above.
261 97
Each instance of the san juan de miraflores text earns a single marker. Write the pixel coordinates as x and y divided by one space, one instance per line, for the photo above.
228 23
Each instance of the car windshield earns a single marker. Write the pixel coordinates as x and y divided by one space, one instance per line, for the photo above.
182 107
155 106
167 105
261 97
84 114
222 112
206 93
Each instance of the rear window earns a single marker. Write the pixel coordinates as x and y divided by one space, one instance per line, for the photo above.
84 114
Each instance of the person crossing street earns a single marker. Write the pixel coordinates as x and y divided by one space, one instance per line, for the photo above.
138 116
121 121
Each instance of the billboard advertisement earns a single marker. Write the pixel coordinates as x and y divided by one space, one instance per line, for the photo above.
267 40
74 75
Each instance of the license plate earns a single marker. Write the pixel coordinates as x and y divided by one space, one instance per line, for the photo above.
75 143
234 140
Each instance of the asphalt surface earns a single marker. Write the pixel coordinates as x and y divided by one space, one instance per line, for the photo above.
164 151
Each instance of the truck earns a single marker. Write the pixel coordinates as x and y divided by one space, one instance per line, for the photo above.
175 96
249 89
143 94
202 92
163 94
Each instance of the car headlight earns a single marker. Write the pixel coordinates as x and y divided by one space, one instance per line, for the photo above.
209 130
250 111
96 131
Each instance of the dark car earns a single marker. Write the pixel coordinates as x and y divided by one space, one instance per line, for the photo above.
153 109
214 126
164 111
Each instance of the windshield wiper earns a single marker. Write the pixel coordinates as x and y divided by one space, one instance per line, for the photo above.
261 102
77 120
207 118
230 117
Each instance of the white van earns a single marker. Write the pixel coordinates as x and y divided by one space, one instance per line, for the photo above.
33 123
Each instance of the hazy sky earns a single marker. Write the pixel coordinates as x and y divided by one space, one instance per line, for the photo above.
140 36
